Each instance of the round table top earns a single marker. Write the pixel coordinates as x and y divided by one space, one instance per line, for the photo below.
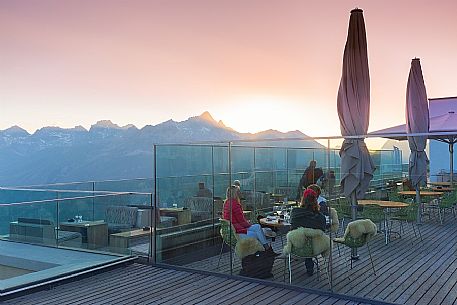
422 193
384 203
273 223
288 203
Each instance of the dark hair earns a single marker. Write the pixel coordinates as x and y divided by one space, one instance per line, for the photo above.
309 200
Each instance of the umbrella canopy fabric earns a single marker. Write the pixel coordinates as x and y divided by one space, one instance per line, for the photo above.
417 121
354 110
446 123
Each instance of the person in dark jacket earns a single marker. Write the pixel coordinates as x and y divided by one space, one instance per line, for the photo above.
310 176
307 215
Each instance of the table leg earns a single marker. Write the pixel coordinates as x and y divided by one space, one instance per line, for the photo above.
386 230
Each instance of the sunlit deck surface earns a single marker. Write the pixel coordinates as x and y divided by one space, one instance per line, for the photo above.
408 271
141 284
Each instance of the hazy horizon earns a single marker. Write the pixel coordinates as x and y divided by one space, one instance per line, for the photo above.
254 65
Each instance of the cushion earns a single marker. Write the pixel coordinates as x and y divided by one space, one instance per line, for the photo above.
121 215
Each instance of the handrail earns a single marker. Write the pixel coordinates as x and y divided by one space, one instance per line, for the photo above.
72 198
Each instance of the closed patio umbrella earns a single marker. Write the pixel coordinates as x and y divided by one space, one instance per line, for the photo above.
417 121
354 112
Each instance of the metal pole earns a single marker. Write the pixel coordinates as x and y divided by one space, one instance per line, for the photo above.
354 255
330 198
451 160
230 183
419 205
214 208
155 209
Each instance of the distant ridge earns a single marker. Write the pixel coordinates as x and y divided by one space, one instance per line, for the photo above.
109 151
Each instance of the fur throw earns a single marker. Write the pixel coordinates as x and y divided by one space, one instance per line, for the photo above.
335 221
247 246
359 227
320 241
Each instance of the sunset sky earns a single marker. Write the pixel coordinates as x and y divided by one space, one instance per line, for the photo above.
255 64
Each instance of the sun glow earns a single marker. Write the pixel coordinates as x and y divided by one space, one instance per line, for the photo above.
256 113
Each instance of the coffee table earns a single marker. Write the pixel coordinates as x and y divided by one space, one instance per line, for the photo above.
119 242
94 233
182 215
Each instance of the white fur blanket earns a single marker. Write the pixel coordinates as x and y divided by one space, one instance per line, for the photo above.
320 241
247 246
335 221
359 227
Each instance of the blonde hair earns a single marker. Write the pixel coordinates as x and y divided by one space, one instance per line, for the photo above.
233 192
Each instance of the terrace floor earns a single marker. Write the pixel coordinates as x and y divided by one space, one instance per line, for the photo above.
141 284
408 271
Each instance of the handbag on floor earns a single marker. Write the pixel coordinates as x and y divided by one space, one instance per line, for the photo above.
258 265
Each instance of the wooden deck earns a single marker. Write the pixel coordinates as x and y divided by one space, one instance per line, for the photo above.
408 271
141 284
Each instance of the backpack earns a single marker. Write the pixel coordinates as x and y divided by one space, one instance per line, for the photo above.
258 265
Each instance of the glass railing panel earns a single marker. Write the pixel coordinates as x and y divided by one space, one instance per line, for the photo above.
32 222
116 223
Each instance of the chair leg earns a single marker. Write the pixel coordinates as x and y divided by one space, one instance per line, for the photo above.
371 259
290 271
220 255
318 269
419 230
327 262
414 230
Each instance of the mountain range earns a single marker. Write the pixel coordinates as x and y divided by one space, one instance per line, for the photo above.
109 151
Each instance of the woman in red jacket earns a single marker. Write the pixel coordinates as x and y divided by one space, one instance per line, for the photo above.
234 213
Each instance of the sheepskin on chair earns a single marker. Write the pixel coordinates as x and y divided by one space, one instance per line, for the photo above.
335 221
248 246
359 227
297 237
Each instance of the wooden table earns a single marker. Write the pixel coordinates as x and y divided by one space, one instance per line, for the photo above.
182 215
94 233
385 205
422 193
120 242
442 189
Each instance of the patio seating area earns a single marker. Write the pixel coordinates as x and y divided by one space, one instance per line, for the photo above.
408 270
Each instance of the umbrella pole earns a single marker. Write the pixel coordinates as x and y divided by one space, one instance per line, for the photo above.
354 255
451 161
419 205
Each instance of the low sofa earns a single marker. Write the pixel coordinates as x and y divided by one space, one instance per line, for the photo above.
42 231
126 218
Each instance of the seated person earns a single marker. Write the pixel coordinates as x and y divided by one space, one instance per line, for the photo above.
234 213
323 207
203 191
307 215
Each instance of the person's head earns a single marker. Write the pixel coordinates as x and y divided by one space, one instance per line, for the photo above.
233 192
312 163
309 200
201 185
237 183
315 188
